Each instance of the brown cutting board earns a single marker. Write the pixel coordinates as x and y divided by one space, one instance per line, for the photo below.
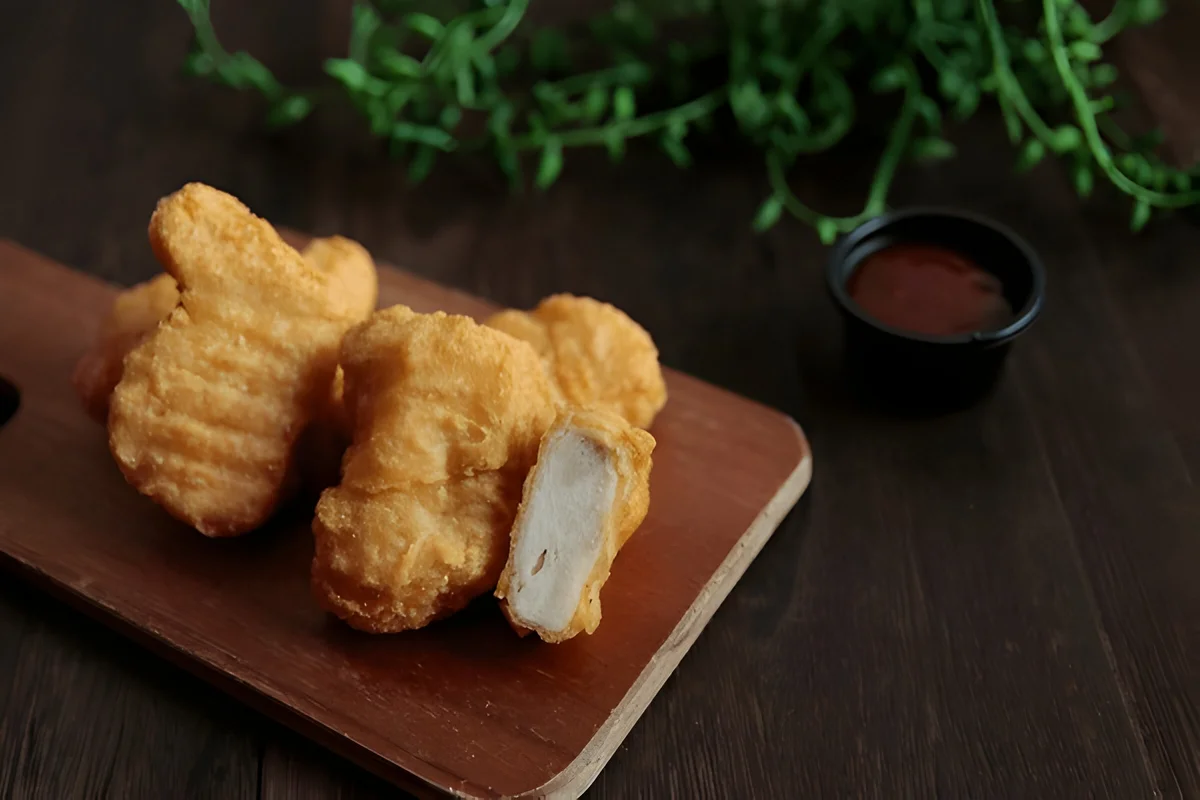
464 706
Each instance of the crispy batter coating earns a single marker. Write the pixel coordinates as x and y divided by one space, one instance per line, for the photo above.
586 495
448 416
352 274
597 356
207 414
351 271
137 311
134 315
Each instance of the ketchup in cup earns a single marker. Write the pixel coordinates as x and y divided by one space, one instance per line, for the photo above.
929 290
932 300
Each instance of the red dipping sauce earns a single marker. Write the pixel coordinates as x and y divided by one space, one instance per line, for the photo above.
928 290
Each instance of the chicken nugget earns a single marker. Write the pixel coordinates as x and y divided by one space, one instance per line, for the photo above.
134 315
448 415
208 411
351 271
596 355
137 311
586 495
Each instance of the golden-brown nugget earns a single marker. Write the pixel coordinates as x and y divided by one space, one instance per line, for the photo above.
448 416
351 271
586 495
137 311
597 356
207 414
134 315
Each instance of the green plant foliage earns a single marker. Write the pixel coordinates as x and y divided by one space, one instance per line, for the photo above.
787 75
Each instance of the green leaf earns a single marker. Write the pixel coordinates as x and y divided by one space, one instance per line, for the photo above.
1086 51
421 164
485 64
1103 75
450 117
464 87
775 64
424 134
748 105
768 213
1181 181
950 84
1077 22
929 111
1012 124
676 150
595 102
889 79
614 142
395 64
1066 138
551 164
1084 180
1031 154
289 110
624 106
827 230
243 71
677 128
364 22
932 148
397 98
500 121
198 64
1161 177
1141 215
1146 11
424 24
1035 51
379 115
1137 167
349 73
787 104
968 101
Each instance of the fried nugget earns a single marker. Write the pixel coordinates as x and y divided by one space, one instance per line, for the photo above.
206 417
137 311
351 271
586 495
134 315
448 415
596 355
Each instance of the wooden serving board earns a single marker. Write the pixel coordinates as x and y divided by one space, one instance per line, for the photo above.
463 707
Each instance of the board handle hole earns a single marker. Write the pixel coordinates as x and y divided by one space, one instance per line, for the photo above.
10 400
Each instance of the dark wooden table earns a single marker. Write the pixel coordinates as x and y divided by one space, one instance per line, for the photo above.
999 603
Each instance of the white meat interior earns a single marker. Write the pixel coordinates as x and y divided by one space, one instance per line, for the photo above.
575 484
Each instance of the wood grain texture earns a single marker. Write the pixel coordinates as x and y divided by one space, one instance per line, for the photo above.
464 707
907 687
1113 438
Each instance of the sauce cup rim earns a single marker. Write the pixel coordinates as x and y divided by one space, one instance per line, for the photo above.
842 262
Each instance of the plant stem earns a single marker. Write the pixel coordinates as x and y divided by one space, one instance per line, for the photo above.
1087 123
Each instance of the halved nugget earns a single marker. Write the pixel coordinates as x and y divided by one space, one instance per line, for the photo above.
587 494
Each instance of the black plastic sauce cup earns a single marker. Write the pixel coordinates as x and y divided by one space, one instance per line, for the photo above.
917 372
